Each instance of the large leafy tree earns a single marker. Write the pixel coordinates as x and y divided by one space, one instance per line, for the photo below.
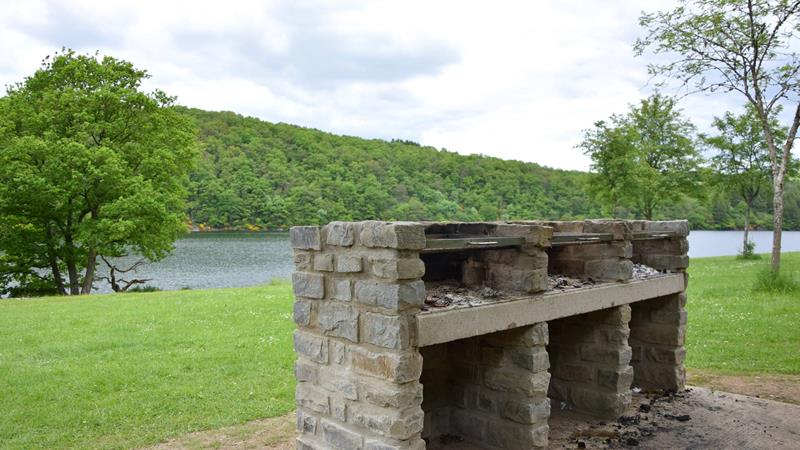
90 166
746 48
644 158
741 158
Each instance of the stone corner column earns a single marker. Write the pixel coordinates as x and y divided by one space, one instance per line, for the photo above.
357 289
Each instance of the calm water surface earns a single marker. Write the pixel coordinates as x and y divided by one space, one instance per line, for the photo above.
208 260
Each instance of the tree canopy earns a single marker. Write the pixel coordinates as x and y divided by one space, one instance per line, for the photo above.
90 165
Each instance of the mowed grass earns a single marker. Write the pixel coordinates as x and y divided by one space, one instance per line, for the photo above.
735 330
124 371
121 371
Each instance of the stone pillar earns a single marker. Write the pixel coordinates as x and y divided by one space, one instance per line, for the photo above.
497 389
357 288
658 326
589 357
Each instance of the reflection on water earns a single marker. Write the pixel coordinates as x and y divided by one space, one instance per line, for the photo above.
235 259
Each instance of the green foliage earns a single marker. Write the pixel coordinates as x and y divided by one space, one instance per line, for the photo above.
145 288
748 251
89 165
769 281
644 158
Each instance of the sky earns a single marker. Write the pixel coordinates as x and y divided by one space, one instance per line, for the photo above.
516 80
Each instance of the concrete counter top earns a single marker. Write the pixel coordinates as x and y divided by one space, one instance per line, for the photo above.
437 326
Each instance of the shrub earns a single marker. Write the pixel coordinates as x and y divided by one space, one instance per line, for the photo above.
769 281
748 252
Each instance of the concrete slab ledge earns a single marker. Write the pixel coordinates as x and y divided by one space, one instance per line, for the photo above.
435 327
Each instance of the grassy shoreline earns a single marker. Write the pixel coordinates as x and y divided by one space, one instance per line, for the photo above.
122 371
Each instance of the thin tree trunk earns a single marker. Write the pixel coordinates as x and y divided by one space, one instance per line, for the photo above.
53 260
777 221
746 229
88 278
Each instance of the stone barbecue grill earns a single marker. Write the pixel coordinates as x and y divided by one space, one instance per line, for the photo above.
409 333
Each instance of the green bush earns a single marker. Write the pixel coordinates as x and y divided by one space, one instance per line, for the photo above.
769 281
748 252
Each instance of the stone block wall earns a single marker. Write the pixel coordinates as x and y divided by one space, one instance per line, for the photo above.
521 269
608 261
590 362
357 288
490 390
658 326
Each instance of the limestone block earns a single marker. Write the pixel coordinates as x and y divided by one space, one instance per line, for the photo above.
573 372
391 395
390 422
659 334
610 269
342 234
606 354
399 235
309 285
665 355
398 269
659 377
338 319
302 312
400 367
342 289
349 264
517 381
534 359
385 331
323 263
302 261
339 437
304 371
665 262
512 436
338 352
311 346
528 336
393 296
306 423
526 411
603 404
620 230
305 238
487 402
615 380
410 444
311 397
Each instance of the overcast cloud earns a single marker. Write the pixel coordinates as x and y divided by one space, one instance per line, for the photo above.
517 80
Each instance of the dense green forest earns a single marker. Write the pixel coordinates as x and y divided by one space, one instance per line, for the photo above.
258 175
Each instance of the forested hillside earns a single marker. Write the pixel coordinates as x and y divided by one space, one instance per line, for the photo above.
259 175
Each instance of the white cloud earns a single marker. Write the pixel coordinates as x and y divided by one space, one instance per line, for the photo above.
517 80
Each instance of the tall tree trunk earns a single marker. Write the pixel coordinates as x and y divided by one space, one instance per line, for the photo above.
746 228
53 261
88 278
777 221
72 271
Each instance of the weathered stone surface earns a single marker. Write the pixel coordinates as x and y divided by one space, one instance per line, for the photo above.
339 382
398 269
411 444
309 285
342 234
349 264
399 235
606 354
338 352
573 372
302 261
306 423
385 331
389 422
533 359
339 437
526 411
339 408
517 381
342 289
665 262
391 395
311 397
304 371
302 312
338 319
311 346
305 238
528 336
400 367
393 296
323 262
609 269
468 425
616 380
505 435
659 334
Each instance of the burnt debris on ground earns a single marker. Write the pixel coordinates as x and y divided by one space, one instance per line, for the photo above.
444 295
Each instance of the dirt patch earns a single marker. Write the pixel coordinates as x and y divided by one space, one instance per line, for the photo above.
783 388
275 433
696 418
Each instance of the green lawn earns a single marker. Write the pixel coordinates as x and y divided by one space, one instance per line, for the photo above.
122 371
732 329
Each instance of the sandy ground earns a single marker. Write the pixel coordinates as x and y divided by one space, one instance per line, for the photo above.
783 388
698 418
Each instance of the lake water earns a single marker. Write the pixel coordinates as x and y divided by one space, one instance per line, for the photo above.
206 260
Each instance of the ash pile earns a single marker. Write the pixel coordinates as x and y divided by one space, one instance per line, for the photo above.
445 295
